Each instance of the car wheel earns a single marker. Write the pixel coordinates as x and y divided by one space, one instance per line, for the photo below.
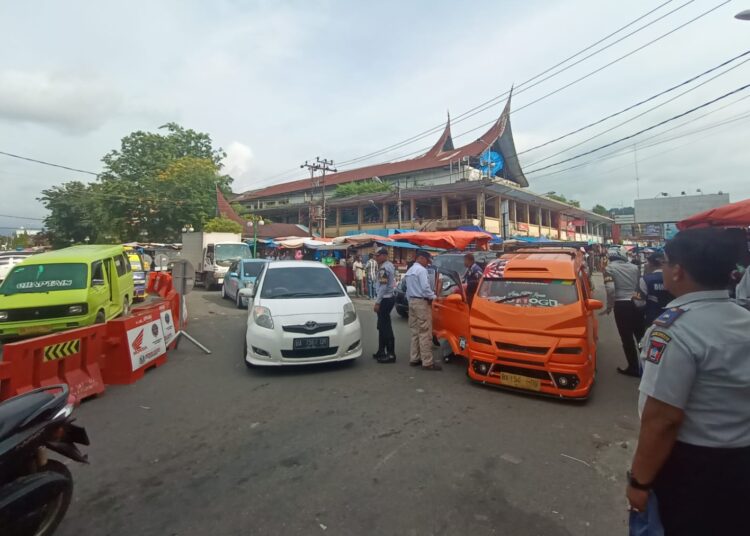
238 300
101 318
223 292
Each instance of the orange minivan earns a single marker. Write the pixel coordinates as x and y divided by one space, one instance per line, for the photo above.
531 325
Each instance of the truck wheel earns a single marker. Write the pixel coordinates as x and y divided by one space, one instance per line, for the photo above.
100 318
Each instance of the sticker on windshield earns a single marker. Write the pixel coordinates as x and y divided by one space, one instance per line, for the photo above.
530 299
53 283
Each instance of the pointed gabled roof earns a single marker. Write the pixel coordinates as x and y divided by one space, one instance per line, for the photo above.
440 155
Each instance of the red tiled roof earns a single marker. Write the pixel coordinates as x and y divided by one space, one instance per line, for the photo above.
440 155
225 210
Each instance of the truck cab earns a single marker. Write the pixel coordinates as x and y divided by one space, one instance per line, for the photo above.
531 325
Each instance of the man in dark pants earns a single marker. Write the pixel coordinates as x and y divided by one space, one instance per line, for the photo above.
472 275
621 281
694 442
653 296
384 302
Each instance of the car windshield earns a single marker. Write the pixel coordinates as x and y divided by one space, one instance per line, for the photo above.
253 269
226 253
45 278
529 292
303 282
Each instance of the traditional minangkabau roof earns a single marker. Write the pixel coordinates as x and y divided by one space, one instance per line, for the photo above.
498 137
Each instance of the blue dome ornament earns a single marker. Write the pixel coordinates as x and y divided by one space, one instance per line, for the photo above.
491 162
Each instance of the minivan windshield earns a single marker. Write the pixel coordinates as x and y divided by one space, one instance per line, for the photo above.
226 253
45 278
253 269
303 282
529 292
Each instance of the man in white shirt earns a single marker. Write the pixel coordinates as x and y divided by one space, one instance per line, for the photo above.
420 296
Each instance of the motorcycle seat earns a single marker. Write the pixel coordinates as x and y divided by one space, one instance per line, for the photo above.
15 411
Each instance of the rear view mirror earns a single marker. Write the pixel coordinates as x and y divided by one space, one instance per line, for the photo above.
350 290
454 298
232 274
594 305
248 292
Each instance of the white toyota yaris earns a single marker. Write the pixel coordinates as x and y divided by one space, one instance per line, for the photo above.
300 313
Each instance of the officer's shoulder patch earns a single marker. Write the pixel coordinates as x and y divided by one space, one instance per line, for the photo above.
655 350
668 317
656 334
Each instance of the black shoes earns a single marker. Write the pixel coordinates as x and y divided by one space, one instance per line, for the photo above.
378 355
434 366
629 372
388 358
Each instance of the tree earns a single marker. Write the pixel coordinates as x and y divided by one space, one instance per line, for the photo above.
75 212
599 209
359 188
222 225
562 199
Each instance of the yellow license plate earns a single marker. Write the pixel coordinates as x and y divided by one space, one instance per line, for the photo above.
36 330
520 382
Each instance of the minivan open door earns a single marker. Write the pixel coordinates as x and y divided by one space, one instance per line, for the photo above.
450 311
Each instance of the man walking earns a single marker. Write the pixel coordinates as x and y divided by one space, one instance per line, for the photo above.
384 303
621 281
653 296
420 296
371 271
694 443
472 275
359 275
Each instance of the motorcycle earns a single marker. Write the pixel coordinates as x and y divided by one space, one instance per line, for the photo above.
35 491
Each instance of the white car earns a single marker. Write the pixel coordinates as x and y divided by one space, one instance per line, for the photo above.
300 313
9 260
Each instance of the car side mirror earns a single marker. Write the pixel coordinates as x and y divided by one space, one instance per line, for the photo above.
594 305
248 292
454 298
232 274
350 290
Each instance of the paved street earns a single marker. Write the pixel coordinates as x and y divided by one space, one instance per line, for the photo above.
204 446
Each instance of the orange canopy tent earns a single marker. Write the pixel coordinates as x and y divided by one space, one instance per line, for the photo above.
446 239
731 215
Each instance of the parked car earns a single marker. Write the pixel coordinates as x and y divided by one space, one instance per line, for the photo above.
300 313
9 260
531 325
241 274
64 289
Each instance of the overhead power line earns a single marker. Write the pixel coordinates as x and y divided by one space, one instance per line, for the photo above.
647 129
20 217
51 164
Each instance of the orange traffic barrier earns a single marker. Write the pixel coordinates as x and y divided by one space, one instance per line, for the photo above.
139 342
70 357
151 282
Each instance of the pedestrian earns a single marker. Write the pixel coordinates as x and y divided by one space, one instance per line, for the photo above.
472 275
298 255
621 281
694 444
652 295
359 275
420 296
371 271
384 302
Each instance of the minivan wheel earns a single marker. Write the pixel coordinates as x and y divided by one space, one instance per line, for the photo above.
100 318
238 301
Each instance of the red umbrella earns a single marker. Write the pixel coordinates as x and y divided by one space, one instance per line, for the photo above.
731 215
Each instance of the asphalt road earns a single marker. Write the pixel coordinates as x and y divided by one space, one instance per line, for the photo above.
204 446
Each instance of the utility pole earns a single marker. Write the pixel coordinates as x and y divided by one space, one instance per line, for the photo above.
319 165
398 190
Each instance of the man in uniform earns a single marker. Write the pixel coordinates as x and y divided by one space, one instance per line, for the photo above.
384 303
621 281
653 296
472 276
694 444
420 296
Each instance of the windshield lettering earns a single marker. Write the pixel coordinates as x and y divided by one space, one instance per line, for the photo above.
529 293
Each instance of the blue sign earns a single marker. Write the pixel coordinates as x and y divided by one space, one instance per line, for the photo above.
491 162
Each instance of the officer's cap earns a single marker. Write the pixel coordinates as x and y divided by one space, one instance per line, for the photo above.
423 253
382 251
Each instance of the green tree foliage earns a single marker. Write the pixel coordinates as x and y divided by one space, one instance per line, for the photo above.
601 210
360 188
152 186
562 199
222 225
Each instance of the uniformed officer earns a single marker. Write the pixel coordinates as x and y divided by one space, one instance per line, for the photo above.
653 296
472 275
384 303
694 443
621 281
420 295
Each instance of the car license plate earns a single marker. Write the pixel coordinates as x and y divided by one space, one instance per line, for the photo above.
36 330
520 382
310 342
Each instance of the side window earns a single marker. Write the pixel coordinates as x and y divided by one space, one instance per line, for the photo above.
97 273
233 267
120 266
126 262
584 284
447 284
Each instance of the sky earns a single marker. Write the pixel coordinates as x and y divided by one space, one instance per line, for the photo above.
276 83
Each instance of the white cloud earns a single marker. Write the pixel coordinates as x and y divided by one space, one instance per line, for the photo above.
238 159
65 102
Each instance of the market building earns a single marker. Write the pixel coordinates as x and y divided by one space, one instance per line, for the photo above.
480 184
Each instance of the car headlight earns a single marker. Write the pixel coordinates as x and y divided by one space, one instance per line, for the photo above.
350 314
75 310
3 315
262 317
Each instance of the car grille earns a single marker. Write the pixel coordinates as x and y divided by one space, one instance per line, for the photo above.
40 313
536 350
530 373
309 328
310 352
